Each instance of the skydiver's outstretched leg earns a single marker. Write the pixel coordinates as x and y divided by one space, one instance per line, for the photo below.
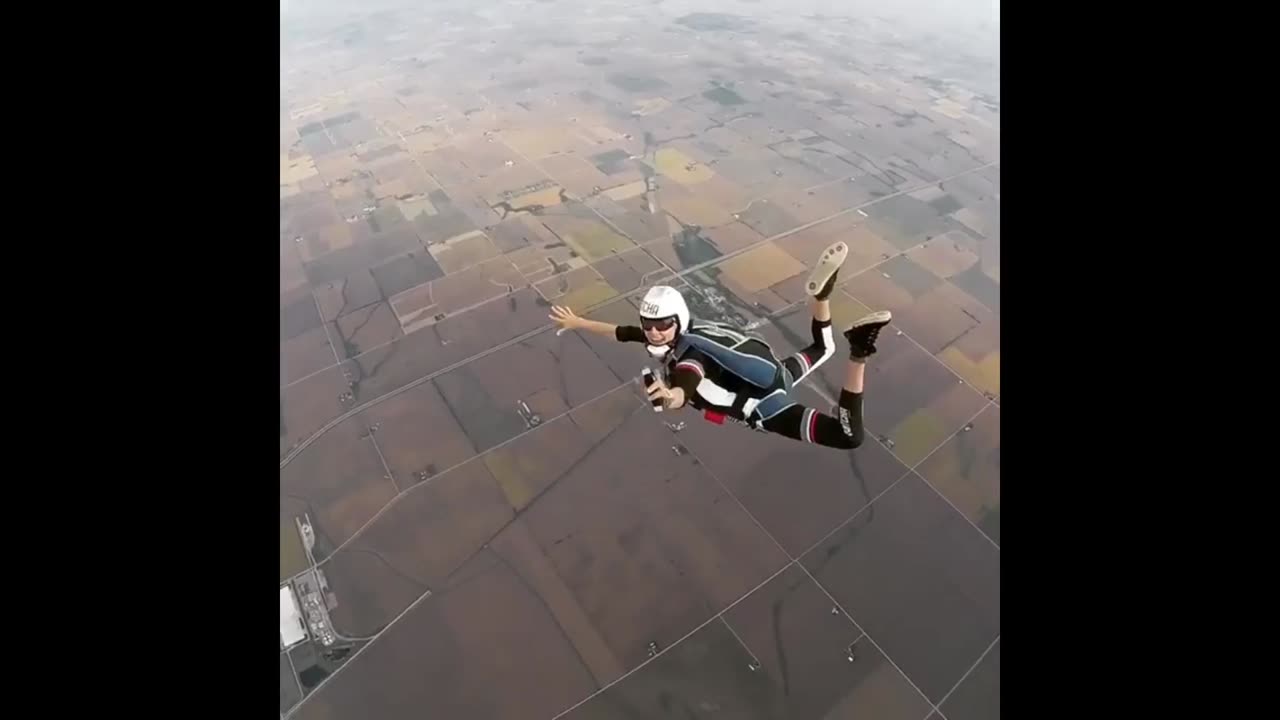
808 425
822 282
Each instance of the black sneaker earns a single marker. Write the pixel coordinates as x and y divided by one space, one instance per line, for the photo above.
862 335
823 278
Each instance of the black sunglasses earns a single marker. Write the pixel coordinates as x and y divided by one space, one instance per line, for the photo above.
659 324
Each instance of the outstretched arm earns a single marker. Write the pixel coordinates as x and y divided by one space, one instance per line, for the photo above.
566 319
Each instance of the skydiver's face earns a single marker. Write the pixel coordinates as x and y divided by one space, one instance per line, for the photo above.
659 332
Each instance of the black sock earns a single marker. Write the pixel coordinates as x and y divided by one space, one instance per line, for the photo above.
851 401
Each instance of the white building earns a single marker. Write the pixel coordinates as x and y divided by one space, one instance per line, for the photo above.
292 628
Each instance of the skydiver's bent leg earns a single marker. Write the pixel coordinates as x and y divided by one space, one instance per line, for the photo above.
809 359
845 432
822 282
808 425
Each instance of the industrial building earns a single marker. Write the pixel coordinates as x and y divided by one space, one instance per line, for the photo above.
292 628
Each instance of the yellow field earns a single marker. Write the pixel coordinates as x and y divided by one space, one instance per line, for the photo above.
546 198
983 374
296 170
651 106
626 192
761 267
586 288
918 435
590 239
540 142
463 251
681 168
697 211
592 294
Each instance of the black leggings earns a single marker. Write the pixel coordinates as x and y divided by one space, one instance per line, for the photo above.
806 424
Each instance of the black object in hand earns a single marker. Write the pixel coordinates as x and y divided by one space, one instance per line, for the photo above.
647 376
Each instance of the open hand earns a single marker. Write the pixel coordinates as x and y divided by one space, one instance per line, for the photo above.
565 318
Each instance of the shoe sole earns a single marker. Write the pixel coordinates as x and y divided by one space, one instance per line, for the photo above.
830 261
884 316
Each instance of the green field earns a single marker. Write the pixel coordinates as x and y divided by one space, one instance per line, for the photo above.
293 556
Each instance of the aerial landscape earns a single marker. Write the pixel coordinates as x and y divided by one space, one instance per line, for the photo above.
481 517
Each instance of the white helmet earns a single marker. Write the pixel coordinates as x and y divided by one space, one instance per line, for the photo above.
663 301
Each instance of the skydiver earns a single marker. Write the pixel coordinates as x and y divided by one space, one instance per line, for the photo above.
727 374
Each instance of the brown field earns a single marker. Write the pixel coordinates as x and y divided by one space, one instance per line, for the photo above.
381 370
519 232
575 360
506 183
494 322
517 546
932 311
691 208
575 174
377 249
446 167
547 373
763 471
981 281
943 257
444 220
654 516
346 295
767 218
641 226
751 173
539 262
624 359
415 545
342 480
307 405
539 142
364 329
487 160
292 275
733 237
626 271
417 434
529 464
304 354
709 669
905 221
464 652
893 563
787 625
418 307
966 469
808 206
469 201
919 402
463 251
